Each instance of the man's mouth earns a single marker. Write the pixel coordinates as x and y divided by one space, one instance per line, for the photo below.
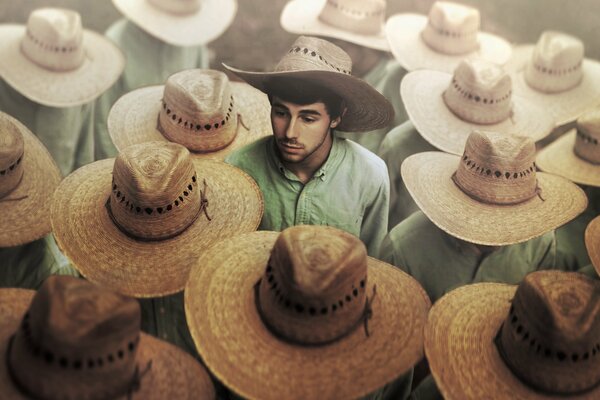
291 146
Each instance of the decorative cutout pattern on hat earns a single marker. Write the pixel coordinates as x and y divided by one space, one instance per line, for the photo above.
477 98
353 11
11 167
314 53
50 47
471 164
197 125
558 71
454 34
587 138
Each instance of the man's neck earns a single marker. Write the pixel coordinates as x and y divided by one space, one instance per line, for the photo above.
306 168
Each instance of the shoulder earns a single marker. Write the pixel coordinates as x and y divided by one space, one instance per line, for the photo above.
372 168
416 229
251 154
115 31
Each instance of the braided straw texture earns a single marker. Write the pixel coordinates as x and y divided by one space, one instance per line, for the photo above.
249 359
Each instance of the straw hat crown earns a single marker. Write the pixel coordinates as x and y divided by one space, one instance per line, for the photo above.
551 336
313 289
452 28
53 39
76 341
12 148
155 192
314 54
480 92
556 63
588 136
360 16
497 168
177 7
198 110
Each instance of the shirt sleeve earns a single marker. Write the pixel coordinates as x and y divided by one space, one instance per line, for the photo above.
375 220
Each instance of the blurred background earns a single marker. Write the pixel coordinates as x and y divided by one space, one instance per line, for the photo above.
255 39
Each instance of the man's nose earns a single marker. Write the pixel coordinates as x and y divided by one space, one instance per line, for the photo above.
292 131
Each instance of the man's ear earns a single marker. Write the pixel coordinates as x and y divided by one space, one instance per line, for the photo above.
336 121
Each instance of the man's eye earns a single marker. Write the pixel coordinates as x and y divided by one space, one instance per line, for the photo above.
280 113
308 119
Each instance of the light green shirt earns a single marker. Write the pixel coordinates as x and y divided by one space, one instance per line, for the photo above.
441 262
570 237
28 265
149 61
398 144
350 191
385 77
67 133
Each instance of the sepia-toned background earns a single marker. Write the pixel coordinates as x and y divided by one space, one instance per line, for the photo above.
255 39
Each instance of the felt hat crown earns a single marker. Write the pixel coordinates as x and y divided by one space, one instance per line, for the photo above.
314 287
198 110
550 338
452 28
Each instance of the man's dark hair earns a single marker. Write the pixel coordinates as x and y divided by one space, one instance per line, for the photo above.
302 92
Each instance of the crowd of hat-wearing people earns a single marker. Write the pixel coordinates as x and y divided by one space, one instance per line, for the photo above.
401 208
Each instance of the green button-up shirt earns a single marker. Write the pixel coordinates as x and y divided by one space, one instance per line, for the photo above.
150 61
350 191
67 133
385 77
398 144
441 262
28 265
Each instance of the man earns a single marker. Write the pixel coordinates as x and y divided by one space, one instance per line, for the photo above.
159 38
361 34
306 173
52 73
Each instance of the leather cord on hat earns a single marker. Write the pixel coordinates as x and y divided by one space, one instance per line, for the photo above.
537 192
368 311
136 383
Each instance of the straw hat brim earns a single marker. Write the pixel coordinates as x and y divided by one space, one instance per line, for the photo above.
428 178
174 374
208 23
559 158
250 360
409 49
459 343
102 66
133 118
421 92
105 255
302 17
28 219
592 242
565 106
367 109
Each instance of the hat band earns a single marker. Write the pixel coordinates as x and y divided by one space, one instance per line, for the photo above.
10 182
481 99
197 126
354 11
360 21
586 147
160 210
52 56
12 166
557 71
51 47
452 33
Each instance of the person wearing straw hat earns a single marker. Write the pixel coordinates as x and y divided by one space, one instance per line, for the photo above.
137 224
495 221
443 38
306 173
592 245
576 156
197 108
321 318
75 340
445 108
555 74
538 340
28 178
52 72
358 28
159 38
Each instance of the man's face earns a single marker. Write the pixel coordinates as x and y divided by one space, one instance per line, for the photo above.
300 130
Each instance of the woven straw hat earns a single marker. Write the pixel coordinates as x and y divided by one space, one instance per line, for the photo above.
180 22
492 195
199 109
53 61
441 40
325 64
137 223
75 340
592 242
28 177
356 21
446 108
297 304
546 344
576 154
554 74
